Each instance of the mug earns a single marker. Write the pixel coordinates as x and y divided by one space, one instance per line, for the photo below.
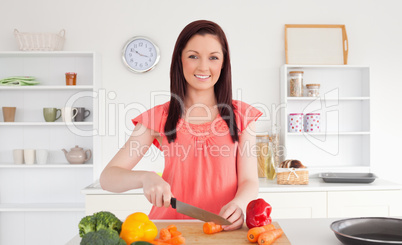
9 114
68 113
41 156
29 156
71 78
18 155
82 114
50 114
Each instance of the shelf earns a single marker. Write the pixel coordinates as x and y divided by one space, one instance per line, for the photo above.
329 133
326 99
20 54
46 124
42 207
49 165
326 66
39 87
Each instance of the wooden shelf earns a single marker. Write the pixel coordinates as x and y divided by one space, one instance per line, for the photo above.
42 207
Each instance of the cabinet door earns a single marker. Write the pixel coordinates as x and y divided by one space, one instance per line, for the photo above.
364 203
291 205
120 205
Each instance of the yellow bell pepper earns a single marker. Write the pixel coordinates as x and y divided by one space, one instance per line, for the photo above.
138 227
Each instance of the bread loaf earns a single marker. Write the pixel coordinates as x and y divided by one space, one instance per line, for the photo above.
291 164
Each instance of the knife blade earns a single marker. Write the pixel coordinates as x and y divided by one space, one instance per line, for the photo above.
197 213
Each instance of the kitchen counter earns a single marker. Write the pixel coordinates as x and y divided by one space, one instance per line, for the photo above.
316 232
315 184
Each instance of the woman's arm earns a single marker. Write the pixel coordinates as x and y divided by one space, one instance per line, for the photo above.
247 178
118 175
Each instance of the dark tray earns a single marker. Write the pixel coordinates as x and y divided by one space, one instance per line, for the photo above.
348 177
368 230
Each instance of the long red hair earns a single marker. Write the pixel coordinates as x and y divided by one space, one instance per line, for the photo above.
178 84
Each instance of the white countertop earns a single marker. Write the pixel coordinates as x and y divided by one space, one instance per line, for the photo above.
315 184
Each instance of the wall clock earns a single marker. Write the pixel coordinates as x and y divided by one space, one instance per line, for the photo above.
140 54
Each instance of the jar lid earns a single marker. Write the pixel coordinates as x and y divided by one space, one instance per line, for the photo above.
296 72
294 114
313 85
312 114
262 136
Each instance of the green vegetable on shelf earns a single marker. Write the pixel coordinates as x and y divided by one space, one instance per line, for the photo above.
18 81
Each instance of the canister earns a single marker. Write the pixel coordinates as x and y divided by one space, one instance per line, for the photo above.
262 155
296 83
313 90
295 122
312 122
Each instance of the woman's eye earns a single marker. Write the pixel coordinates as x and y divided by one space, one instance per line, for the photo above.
193 57
214 58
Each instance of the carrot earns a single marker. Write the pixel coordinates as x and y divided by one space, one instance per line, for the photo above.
172 228
159 242
211 228
174 233
177 240
269 237
254 233
164 234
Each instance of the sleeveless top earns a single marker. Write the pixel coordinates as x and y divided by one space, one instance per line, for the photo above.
200 165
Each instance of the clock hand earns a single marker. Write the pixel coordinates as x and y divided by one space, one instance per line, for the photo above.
141 54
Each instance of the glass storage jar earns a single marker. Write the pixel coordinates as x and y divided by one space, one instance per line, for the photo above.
262 155
296 83
313 90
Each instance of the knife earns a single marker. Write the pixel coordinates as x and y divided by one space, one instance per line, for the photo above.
197 213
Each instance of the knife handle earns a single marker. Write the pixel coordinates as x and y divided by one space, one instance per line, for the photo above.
173 202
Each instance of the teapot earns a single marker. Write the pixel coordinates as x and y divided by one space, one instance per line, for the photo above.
77 155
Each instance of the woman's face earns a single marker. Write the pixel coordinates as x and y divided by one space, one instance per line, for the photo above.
202 60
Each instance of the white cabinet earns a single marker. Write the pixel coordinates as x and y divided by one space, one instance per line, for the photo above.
296 205
343 144
36 198
364 203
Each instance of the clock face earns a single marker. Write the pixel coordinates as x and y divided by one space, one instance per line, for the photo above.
140 54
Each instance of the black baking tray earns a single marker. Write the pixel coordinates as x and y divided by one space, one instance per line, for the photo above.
368 230
348 177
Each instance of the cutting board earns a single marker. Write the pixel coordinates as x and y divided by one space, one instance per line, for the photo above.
193 233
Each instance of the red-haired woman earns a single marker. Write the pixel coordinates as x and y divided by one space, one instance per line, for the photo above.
206 137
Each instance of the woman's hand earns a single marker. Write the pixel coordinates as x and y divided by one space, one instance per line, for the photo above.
156 190
234 214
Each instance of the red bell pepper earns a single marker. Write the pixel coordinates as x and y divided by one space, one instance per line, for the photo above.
258 213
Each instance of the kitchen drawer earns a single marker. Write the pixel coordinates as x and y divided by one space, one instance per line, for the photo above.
364 203
293 205
120 205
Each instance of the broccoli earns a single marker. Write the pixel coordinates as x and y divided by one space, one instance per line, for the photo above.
102 237
98 221
107 220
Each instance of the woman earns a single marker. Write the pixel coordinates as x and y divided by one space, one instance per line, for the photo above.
206 137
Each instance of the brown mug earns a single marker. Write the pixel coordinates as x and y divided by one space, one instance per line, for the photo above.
9 114
71 78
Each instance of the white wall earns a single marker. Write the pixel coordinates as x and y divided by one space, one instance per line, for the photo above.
255 30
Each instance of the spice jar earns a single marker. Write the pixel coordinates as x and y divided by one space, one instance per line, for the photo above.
271 172
313 90
262 155
296 83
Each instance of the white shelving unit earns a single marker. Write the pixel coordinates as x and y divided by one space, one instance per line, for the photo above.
343 144
49 193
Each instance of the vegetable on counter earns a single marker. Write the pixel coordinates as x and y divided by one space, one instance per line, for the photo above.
169 236
102 236
138 227
269 237
97 221
211 228
254 233
258 213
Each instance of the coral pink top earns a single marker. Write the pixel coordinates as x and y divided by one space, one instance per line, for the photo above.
200 165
